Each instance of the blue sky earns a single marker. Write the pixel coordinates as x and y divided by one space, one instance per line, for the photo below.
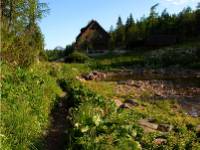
67 17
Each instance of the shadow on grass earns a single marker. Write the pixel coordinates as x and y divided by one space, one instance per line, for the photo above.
56 138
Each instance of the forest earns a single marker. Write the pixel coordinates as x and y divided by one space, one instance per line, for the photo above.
156 29
146 98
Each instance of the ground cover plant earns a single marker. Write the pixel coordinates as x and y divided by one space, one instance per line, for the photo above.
98 124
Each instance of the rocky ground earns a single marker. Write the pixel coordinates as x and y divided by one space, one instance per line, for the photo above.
180 85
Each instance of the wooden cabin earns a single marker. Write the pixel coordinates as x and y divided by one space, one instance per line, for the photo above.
92 38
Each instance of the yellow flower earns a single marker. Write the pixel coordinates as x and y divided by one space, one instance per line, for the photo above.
84 129
96 120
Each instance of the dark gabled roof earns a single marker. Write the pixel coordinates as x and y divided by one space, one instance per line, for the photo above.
92 24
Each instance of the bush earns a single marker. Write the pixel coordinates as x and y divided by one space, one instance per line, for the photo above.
185 57
77 57
53 55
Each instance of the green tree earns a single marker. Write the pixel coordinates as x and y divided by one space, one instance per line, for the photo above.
22 40
152 19
120 34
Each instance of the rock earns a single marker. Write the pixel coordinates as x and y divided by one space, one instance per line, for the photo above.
90 76
95 75
95 72
160 141
100 75
137 85
130 82
148 130
146 123
125 106
121 82
198 129
118 102
165 127
131 102
80 79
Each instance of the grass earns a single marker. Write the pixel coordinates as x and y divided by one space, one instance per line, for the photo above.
28 95
98 124
161 110
181 56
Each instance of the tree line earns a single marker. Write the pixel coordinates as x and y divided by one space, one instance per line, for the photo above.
21 39
182 27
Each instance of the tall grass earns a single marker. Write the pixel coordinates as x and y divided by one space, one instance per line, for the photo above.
27 96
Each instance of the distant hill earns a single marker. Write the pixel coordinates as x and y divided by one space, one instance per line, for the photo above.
59 48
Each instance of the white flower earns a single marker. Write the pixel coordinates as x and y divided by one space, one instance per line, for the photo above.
84 129
76 125
96 120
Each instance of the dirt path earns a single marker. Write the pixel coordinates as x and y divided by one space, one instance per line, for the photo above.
56 138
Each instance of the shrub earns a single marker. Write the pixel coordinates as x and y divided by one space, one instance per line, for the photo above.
77 57
173 56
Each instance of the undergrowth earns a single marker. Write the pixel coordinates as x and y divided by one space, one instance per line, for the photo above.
98 124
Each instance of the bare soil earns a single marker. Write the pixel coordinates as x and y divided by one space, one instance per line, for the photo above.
56 137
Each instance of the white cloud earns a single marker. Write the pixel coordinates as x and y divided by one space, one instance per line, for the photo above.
179 2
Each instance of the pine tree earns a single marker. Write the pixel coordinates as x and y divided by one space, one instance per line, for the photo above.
119 22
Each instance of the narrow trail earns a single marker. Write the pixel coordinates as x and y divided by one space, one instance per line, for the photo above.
56 138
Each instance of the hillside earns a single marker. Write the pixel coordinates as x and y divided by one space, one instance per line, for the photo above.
138 86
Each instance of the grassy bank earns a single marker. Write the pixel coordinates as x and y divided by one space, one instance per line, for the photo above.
27 96
180 56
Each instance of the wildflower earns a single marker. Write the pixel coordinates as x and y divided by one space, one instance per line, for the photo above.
76 125
96 120
84 129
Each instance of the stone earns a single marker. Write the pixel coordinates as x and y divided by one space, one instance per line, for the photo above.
160 141
125 106
130 82
146 123
118 102
131 102
95 72
198 129
80 79
95 75
91 76
121 82
165 127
